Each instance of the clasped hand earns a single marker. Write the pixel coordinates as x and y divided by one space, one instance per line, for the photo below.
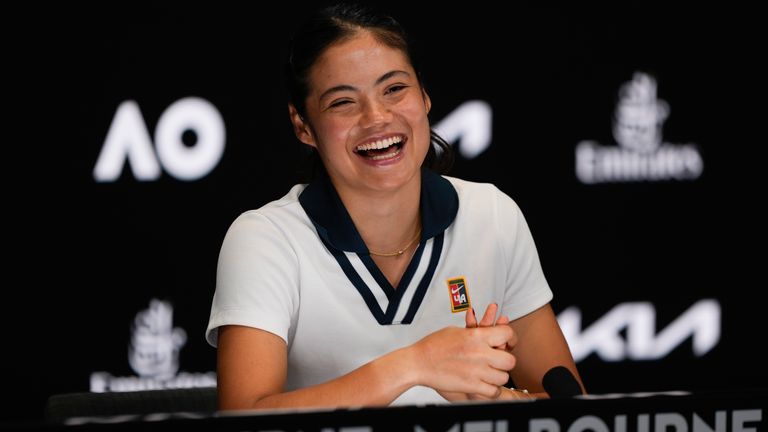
470 363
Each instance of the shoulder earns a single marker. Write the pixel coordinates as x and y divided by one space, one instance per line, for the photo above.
483 199
278 224
282 212
475 190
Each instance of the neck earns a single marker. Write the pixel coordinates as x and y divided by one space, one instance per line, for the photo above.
386 221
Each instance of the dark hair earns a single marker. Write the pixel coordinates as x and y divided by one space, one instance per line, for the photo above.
337 23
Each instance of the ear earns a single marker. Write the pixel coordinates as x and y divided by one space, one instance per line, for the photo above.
300 127
427 100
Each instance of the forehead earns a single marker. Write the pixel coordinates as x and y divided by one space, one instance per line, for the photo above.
357 61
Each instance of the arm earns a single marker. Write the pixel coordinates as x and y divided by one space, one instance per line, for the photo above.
540 347
252 369
540 342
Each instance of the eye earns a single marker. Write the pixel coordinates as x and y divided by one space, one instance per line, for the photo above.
339 103
395 88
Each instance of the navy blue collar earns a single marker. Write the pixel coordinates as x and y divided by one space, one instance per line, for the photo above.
439 205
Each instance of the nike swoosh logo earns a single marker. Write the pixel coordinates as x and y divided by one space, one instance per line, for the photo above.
454 291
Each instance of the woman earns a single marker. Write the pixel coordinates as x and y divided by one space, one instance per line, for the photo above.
357 289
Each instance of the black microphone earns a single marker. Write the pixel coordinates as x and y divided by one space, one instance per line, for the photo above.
560 383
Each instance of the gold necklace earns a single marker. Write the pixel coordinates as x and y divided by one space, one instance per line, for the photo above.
400 252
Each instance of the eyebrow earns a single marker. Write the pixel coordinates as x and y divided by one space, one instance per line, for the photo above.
347 87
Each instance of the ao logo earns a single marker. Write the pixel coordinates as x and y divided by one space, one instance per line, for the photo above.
128 139
701 322
468 126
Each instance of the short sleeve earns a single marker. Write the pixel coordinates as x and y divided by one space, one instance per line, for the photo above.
256 279
526 287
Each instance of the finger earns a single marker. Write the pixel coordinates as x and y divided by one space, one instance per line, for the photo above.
498 392
510 344
490 315
477 397
495 376
495 336
508 394
502 320
512 341
501 360
470 318
487 391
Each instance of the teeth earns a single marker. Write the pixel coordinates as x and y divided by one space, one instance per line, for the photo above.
381 144
386 156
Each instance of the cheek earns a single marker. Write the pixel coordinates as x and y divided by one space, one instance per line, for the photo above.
332 132
417 117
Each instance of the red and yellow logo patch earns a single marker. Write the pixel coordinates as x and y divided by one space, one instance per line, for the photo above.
457 290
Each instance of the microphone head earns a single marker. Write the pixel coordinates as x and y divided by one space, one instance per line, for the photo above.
560 383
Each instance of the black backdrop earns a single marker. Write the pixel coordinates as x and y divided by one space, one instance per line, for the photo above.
93 254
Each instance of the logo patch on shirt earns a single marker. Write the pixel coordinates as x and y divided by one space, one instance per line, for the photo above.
457 290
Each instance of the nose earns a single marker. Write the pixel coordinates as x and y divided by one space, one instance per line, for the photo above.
375 113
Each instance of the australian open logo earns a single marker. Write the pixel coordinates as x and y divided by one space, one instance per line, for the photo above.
153 354
641 154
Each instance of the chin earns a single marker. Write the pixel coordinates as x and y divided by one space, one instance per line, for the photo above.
392 181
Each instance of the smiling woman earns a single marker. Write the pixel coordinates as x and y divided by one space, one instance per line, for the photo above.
364 98
353 290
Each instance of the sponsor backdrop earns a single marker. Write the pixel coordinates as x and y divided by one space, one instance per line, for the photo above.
623 136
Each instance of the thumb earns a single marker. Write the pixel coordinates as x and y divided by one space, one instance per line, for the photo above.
470 318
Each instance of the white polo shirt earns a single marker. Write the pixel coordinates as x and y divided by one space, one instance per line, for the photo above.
298 268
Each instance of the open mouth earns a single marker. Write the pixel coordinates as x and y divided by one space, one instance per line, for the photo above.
383 149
